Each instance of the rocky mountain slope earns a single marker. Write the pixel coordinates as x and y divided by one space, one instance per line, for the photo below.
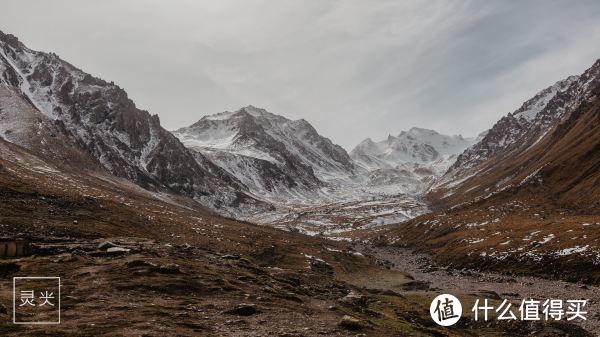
495 163
409 162
273 156
533 205
385 186
97 117
23 124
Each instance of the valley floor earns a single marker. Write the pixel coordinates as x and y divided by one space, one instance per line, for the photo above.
158 289
185 271
490 285
333 219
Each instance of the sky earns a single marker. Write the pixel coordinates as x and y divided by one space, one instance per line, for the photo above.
352 68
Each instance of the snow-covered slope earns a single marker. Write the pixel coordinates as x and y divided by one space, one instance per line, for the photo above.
531 117
101 120
416 145
409 162
478 171
273 156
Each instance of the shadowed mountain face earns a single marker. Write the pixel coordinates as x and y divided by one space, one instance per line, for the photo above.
101 120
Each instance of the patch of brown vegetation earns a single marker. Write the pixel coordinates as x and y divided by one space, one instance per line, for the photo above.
134 263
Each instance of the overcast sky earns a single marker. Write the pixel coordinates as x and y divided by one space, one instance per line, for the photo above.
354 69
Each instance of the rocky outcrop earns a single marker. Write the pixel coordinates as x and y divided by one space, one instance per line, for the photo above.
100 119
509 151
270 154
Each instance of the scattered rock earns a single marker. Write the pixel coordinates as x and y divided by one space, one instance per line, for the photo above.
117 250
243 310
320 266
140 263
351 323
168 269
230 257
291 297
466 272
416 285
65 258
390 292
105 245
354 299
429 269
489 294
511 294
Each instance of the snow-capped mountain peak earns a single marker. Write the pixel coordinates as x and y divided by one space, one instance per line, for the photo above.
416 145
409 161
269 153
530 109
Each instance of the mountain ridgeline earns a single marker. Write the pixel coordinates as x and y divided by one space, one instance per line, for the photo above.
268 153
516 151
250 160
98 119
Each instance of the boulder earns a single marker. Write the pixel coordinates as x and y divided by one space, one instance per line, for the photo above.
118 250
352 324
106 244
243 310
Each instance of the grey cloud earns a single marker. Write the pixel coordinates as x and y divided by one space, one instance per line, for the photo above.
354 69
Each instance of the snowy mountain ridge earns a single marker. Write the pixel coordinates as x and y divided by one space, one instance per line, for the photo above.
531 115
515 134
99 119
409 162
273 156
416 145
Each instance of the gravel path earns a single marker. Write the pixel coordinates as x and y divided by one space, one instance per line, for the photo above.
512 288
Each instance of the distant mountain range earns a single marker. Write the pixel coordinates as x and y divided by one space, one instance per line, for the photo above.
250 160
410 161
278 158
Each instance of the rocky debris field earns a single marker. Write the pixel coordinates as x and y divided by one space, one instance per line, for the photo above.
490 285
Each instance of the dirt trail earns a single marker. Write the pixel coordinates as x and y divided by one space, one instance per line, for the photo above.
487 285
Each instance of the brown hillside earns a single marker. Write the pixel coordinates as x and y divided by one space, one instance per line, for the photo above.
547 221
